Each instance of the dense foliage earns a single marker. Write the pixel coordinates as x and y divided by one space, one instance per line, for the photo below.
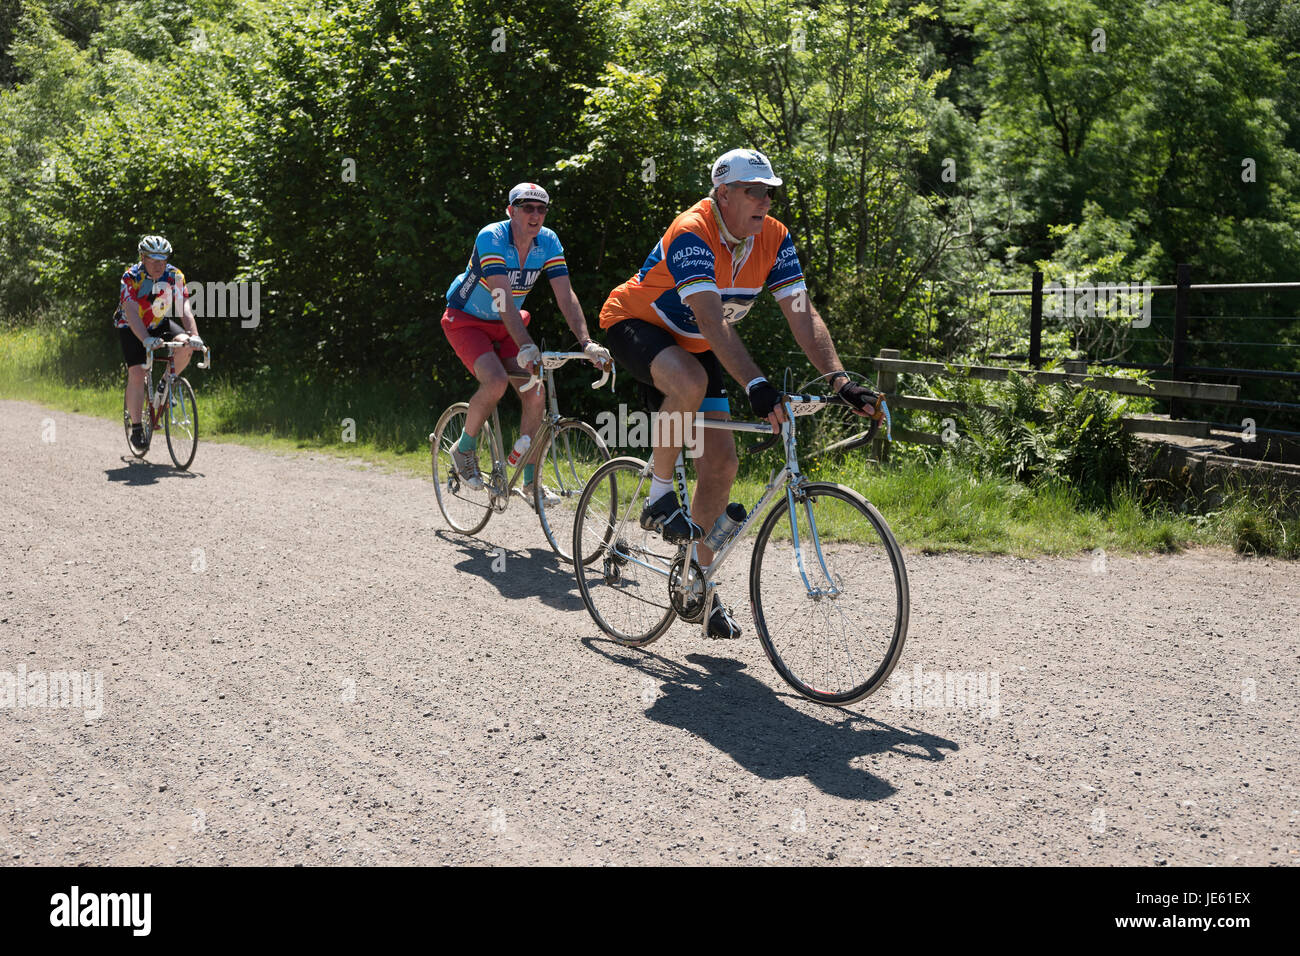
345 155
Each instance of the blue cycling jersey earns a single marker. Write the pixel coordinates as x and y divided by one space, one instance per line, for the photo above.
495 255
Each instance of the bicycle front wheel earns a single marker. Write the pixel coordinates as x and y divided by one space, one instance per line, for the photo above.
572 454
624 583
467 510
828 590
181 423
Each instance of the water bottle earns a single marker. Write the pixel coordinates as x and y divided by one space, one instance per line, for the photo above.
725 527
520 449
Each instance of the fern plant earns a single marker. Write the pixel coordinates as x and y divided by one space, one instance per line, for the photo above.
1031 432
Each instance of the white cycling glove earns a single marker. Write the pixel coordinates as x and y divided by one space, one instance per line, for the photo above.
597 353
195 342
151 342
528 355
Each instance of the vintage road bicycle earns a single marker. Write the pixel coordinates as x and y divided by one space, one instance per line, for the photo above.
173 405
566 452
827 583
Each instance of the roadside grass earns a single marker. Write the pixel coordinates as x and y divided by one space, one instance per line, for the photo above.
934 508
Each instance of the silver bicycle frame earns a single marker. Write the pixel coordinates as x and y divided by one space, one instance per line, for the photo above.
550 418
788 475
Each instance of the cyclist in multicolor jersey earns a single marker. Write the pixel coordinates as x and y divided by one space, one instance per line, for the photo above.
152 297
489 331
672 326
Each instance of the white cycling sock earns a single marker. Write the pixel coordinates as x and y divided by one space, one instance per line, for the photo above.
659 487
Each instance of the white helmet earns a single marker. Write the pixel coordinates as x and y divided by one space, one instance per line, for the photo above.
155 246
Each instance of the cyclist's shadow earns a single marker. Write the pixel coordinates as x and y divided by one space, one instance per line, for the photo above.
536 572
137 472
744 718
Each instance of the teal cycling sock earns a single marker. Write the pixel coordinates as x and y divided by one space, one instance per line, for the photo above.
467 442
528 474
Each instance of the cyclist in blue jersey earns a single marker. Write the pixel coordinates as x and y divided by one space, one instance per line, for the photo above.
489 331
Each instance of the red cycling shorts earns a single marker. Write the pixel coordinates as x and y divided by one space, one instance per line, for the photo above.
473 337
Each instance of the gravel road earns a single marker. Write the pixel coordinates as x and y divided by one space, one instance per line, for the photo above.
312 669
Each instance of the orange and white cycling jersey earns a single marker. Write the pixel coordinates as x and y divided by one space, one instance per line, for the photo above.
693 257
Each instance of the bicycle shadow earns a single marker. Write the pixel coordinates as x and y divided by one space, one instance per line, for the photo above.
137 472
745 719
534 572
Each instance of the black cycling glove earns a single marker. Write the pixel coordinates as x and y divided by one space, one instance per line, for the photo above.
763 397
860 397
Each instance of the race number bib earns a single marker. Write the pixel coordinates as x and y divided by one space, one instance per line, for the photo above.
733 312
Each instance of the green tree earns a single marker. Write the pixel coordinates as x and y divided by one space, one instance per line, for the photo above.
387 135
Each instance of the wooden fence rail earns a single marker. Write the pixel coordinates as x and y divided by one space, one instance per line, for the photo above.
889 365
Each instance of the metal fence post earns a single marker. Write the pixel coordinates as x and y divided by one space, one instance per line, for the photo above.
1182 296
1036 323
886 383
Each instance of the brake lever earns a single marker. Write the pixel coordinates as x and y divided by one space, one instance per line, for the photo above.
764 445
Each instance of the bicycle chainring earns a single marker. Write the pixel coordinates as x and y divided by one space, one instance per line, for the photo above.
688 605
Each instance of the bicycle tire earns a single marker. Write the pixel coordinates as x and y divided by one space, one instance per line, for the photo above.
572 454
144 420
181 423
628 601
857 547
463 508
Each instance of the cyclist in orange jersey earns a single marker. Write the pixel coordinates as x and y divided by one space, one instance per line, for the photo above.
672 325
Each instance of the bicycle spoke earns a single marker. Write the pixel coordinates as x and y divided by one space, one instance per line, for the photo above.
835 630
465 509
572 454
625 584
181 421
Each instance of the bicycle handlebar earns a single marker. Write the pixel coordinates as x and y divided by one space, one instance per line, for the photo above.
556 359
178 343
798 405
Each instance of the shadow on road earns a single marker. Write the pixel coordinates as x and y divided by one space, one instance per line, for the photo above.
741 716
535 572
136 472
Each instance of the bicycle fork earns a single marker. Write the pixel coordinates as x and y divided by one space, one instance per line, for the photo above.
814 593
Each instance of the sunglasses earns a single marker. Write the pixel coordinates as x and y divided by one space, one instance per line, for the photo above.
532 207
757 192
156 258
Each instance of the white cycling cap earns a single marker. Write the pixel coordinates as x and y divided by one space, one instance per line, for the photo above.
744 166
529 191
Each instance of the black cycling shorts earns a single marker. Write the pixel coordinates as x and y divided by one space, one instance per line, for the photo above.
133 352
635 343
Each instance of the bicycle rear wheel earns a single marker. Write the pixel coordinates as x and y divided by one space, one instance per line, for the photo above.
465 509
572 454
831 614
126 424
181 423
624 584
